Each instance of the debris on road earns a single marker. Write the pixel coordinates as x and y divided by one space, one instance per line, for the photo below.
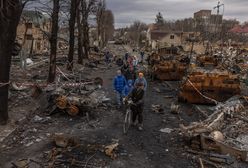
110 150
157 108
220 131
166 130
61 140
174 108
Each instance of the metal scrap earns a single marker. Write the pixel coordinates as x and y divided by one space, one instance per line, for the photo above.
157 108
110 150
204 135
208 87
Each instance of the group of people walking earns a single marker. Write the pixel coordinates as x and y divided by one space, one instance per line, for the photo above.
127 86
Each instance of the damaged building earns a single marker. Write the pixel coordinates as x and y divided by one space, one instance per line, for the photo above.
208 22
32 32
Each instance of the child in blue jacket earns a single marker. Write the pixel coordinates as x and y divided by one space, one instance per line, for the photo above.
128 88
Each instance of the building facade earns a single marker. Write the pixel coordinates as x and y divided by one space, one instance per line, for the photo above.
205 21
32 32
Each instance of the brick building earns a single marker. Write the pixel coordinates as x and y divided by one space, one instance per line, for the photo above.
205 21
32 32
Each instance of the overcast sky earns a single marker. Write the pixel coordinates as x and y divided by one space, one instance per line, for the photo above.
127 11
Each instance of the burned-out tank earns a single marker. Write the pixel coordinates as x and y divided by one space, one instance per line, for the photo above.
207 60
169 65
203 86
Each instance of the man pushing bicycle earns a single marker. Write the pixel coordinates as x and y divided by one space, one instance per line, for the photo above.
137 105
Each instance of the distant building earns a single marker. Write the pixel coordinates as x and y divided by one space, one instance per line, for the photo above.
205 21
239 30
159 38
32 32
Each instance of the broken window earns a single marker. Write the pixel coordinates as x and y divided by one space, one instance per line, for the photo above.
191 35
172 37
29 25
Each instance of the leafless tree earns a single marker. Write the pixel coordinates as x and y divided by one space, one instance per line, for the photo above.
135 31
108 26
100 8
53 41
79 26
88 6
72 20
10 12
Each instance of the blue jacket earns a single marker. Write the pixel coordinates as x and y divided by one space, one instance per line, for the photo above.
128 88
142 80
119 83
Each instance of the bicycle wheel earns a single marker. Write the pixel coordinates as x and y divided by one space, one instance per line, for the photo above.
127 121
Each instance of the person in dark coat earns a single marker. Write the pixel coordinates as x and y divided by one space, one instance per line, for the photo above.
107 57
137 107
126 56
124 70
142 54
119 62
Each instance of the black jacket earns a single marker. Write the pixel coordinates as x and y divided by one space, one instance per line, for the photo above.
137 96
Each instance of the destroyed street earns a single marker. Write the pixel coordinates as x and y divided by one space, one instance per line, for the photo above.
79 90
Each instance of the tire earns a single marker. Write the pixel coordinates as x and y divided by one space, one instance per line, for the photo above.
127 121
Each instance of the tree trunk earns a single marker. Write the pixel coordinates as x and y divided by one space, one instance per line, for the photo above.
100 12
85 15
53 41
80 49
86 39
72 21
31 48
9 19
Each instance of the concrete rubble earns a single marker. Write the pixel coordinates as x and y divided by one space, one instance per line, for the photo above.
224 131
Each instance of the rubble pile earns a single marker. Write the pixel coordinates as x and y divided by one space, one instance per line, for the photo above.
78 95
224 131
71 151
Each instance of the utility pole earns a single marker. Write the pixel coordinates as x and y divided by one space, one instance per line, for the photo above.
218 7
218 22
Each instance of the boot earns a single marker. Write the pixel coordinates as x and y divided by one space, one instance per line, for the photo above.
140 127
134 124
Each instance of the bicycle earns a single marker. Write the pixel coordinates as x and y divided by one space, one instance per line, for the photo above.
128 116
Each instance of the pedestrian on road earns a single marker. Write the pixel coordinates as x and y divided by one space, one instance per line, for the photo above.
119 62
124 70
135 61
142 54
128 88
137 107
119 84
126 56
141 79
135 64
107 58
130 63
